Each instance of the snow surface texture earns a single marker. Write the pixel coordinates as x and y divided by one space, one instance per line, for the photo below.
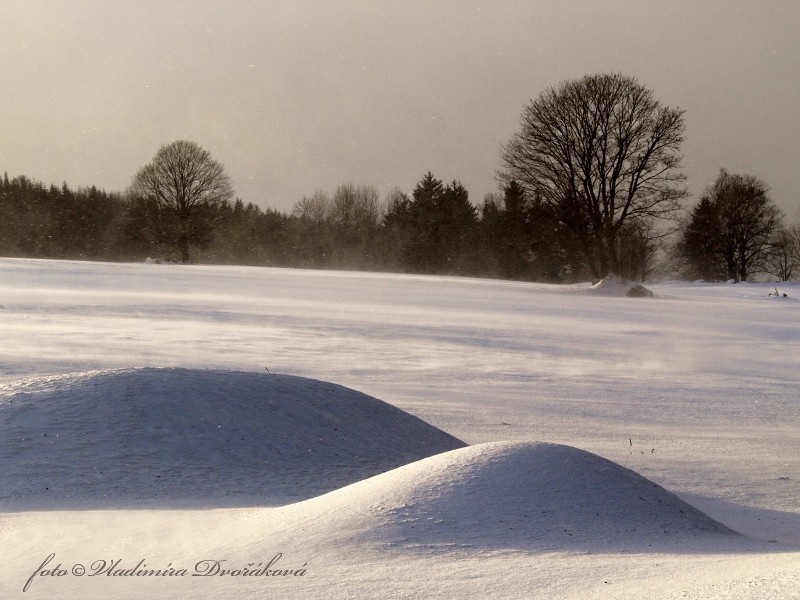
695 389
118 438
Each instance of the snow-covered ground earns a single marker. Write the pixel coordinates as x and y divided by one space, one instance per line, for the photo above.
695 389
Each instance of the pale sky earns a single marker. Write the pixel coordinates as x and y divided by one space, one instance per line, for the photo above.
295 96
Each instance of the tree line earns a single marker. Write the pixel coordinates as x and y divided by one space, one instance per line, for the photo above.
589 185
435 230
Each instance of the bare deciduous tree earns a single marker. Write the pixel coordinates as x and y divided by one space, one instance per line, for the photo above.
339 230
314 209
598 152
747 219
187 184
356 209
783 256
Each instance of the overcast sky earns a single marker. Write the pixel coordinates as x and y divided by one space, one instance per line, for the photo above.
295 96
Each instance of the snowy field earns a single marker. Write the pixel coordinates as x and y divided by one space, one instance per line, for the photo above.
120 382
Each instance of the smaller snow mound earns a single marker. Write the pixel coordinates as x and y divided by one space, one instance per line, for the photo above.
515 494
613 285
117 438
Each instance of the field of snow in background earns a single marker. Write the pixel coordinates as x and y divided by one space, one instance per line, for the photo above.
696 389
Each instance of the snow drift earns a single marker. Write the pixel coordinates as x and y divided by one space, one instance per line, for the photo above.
528 495
215 437
614 285
146 437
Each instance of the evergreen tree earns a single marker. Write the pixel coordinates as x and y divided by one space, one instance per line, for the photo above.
700 247
397 232
457 224
424 253
518 231
437 227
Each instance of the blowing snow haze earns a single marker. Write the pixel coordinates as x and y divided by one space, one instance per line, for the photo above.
296 97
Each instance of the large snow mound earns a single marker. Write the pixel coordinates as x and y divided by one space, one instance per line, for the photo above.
115 438
533 495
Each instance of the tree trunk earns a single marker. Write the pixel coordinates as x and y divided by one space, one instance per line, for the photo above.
184 240
743 265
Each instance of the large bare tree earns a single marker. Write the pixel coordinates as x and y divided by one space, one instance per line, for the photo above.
599 152
187 185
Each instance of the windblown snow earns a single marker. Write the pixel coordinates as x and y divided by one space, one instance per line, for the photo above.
140 432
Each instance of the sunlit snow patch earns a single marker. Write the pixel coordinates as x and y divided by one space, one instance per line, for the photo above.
533 495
